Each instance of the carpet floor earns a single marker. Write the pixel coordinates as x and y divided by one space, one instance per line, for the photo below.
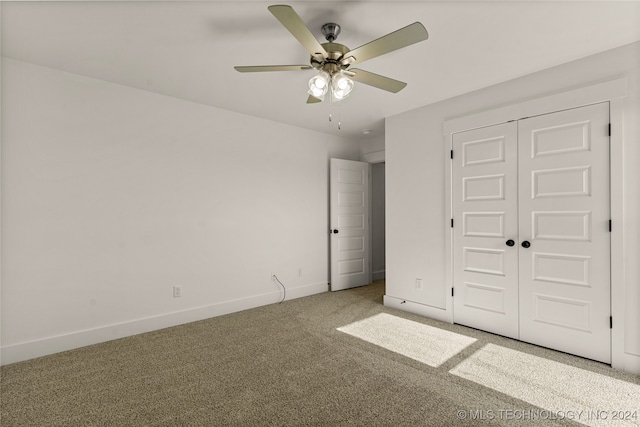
316 361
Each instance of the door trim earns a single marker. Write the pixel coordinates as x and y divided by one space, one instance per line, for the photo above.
614 92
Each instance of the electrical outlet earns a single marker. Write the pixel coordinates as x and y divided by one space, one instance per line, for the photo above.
418 283
177 291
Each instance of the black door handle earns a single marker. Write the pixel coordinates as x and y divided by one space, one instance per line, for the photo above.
510 242
526 244
335 230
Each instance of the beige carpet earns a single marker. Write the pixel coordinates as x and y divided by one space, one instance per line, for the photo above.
288 364
557 388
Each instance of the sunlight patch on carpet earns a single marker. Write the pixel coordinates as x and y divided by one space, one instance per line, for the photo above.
426 344
592 398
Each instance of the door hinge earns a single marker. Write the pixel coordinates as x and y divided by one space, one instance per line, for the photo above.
451 291
452 154
451 222
610 322
610 226
609 129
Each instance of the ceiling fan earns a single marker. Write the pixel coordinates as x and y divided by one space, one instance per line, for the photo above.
333 60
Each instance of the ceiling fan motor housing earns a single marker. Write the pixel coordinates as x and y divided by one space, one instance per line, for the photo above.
332 64
335 51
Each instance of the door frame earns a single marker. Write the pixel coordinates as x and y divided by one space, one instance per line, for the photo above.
331 225
614 92
371 158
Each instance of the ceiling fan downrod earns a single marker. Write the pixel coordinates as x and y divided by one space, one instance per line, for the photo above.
330 31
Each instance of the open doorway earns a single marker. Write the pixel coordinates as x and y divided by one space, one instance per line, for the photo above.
378 221
357 199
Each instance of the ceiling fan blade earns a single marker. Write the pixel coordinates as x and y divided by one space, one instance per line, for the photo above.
403 37
292 22
313 100
375 80
259 68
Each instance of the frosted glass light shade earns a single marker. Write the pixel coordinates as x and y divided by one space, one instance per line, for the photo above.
341 86
319 84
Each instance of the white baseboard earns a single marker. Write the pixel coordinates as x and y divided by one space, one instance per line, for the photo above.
416 308
631 363
379 275
29 350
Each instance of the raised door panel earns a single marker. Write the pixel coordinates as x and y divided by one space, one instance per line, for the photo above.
564 226
561 182
483 224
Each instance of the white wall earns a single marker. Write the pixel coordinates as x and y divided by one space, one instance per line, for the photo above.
416 154
112 195
1 133
372 144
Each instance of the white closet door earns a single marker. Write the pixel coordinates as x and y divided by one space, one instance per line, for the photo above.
485 201
564 215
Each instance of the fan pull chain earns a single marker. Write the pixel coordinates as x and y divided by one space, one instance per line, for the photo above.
330 100
331 106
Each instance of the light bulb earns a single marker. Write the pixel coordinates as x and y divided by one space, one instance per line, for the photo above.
316 91
341 86
319 84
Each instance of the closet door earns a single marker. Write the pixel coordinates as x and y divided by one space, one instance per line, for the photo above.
485 198
564 210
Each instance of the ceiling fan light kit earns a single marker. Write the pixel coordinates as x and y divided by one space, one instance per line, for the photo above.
338 82
333 60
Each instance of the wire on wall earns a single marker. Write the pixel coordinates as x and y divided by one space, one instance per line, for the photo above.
284 290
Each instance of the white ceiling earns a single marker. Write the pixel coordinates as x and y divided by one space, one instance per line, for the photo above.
188 49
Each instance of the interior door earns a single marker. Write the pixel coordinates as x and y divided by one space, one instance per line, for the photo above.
349 227
564 220
485 209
